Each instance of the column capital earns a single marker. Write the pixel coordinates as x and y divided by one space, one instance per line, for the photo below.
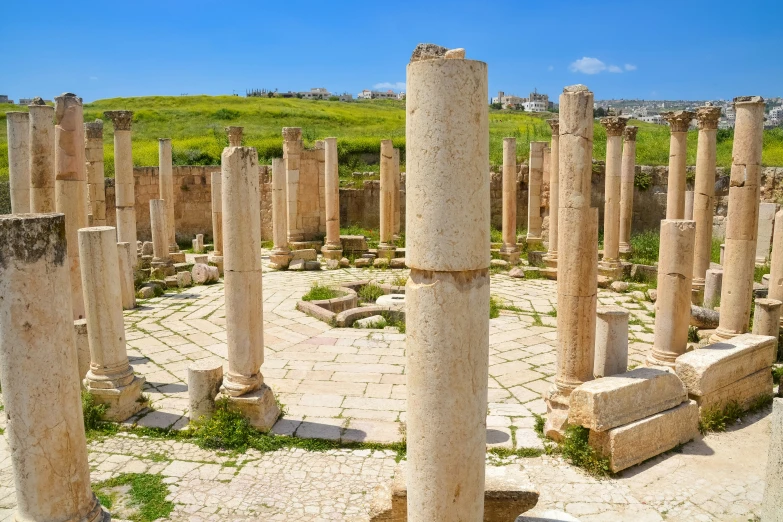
120 119
292 133
554 124
614 125
678 121
708 116
94 130
629 133
235 136
743 100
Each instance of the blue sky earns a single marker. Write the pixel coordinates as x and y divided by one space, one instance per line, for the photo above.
689 49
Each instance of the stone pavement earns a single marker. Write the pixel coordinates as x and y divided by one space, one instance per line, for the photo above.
349 384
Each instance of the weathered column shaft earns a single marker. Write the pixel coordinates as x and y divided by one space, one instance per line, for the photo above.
386 228
535 178
447 238
704 190
766 317
713 285
71 184
554 191
678 155
776 260
127 288
281 253
292 149
217 214
39 372
19 161
627 175
614 125
332 247
166 190
611 341
742 218
396 192
509 196
160 230
42 198
124 184
93 165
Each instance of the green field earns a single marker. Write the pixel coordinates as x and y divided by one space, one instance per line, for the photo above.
196 123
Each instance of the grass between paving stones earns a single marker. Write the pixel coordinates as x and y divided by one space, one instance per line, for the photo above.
644 247
574 448
370 293
147 496
719 419
320 292
760 271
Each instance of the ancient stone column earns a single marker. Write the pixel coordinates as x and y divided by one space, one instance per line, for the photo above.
713 285
45 427
688 215
71 184
42 198
281 254
704 191
509 250
577 285
447 238
611 341
554 193
610 264
672 308
742 218
166 189
292 149
776 260
244 382
535 178
332 248
19 161
93 164
396 193
127 288
234 136
160 237
124 184
678 155
627 175
111 379
386 246
766 317
205 377
216 256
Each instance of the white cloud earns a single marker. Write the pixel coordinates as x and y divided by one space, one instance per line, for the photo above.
630 67
397 86
550 68
614 69
588 65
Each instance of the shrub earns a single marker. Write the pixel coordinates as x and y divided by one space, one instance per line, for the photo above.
92 411
642 180
577 451
319 292
226 114
370 292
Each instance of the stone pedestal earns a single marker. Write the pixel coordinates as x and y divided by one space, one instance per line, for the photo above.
678 155
672 307
766 317
93 157
627 175
124 184
127 281
742 219
71 184
611 341
42 198
704 191
534 181
610 264
160 246
204 380
281 254
447 294
554 197
292 149
39 372
332 248
509 250
713 284
244 382
386 245
19 161
166 190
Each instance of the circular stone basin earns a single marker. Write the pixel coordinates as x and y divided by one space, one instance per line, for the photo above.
391 300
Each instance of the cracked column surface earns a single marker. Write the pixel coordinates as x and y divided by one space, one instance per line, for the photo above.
242 275
166 190
554 189
610 264
127 288
124 188
776 261
673 306
110 379
626 188
71 184
39 372
509 250
292 149
742 219
332 248
386 246
216 256
19 161
704 191
678 155
93 164
396 193
281 253
577 285
447 238
160 233
42 158
534 179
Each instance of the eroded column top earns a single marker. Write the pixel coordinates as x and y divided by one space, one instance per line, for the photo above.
94 130
292 133
235 136
678 121
614 125
748 100
26 238
629 133
120 119
17 117
554 124
708 116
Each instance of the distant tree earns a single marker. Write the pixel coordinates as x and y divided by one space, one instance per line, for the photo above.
299 95
334 98
600 112
495 106
270 94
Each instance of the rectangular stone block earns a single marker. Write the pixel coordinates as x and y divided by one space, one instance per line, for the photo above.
603 404
716 366
744 391
633 443
305 254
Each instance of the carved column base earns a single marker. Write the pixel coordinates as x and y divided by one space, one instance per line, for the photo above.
259 407
123 401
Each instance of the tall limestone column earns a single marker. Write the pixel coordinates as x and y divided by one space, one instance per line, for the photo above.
627 176
610 264
577 284
93 164
42 198
161 260
534 180
111 379
19 161
509 250
554 193
45 426
71 184
244 382
332 248
127 288
124 184
673 306
678 155
704 191
776 261
166 190
281 254
386 246
447 237
292 149
742 219
216 256
396 194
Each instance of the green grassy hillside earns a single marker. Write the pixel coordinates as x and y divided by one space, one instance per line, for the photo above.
196 123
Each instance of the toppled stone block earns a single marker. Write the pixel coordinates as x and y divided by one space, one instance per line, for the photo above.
171 282
145 292
146 248
145 261
397 263
362 262
603 404
369 322
344 263
306 254
258 407
177 257
297 265
312 265
704 317
517 272
498 263
332 264
354 244
201 259
744 392
204 274
381 262
619 286
184 279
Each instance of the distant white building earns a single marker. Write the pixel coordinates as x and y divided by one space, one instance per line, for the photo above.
316 93
377 95
653 118
775 117
400 95
536 102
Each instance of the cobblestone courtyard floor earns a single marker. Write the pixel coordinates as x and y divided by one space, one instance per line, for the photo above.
349 384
